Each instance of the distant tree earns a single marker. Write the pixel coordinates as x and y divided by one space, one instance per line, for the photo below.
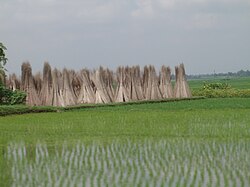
3 61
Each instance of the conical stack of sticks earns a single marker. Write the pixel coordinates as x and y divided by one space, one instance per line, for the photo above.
67 87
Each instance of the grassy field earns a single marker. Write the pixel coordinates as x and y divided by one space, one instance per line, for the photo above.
184 143
238 83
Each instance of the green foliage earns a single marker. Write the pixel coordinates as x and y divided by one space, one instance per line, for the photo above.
216 86
17 97
236 82
3 61
9 97
215 90
6 110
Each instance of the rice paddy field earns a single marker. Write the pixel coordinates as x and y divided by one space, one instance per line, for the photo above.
202 142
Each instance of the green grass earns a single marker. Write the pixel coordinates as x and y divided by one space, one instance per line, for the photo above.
218 124
155 120
237 83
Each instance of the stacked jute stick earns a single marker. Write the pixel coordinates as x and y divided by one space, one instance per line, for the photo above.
67 87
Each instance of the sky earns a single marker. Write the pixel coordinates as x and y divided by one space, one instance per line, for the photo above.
206 35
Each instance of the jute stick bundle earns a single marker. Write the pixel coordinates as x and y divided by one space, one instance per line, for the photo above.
99 86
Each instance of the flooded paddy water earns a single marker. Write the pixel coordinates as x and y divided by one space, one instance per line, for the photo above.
161 162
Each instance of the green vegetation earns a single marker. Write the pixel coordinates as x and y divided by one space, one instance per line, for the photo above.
23 109
9 97
176 142
241 73
221 88
3 61
209 138
144 143
154 120
235 82
161 162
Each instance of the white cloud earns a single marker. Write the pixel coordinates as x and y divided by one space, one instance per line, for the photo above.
51 11
97 11
166 4
144 9
204 21
113 31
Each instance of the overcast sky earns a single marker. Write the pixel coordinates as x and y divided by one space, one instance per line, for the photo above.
206 35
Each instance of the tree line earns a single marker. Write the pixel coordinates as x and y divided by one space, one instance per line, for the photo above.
241 73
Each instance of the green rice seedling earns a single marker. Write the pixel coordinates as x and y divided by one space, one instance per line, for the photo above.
175 162
187 143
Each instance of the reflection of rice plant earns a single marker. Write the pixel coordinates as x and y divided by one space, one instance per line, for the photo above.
149 163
